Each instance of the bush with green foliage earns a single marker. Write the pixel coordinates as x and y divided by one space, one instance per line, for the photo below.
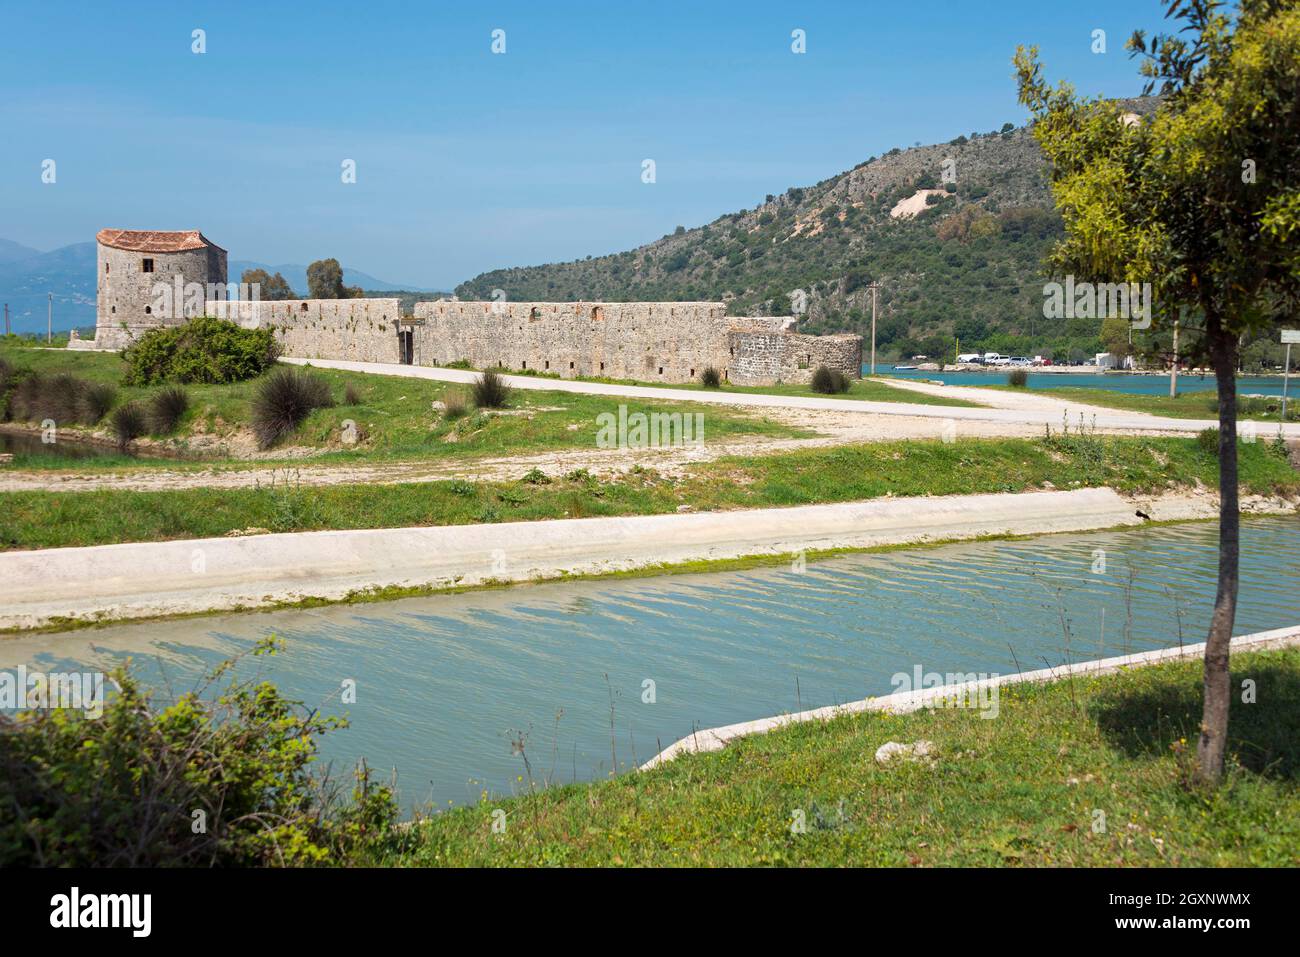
490 390
121 790
283 400
202 350
828 381
710 378
1018 378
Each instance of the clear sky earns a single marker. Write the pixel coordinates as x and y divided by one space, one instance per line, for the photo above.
468 160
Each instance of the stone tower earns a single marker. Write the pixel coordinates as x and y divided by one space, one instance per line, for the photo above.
135 265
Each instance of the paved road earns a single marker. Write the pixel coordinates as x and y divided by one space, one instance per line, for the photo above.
1038 411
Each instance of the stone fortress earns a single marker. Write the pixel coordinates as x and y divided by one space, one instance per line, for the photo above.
130 264
671 342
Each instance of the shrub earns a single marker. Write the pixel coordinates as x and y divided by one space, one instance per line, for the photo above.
283 400
454 404
1018 378
166 408
121 790
710 378
10 378
204 350
1207 440
59 397
490 390
829 381
95 401
351 395
129 422
536 476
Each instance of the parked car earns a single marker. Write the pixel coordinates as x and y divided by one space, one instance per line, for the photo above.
1019 361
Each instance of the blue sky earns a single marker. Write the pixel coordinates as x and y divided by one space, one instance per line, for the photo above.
467 160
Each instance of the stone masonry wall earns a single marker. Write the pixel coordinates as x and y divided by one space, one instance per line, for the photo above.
761 358
647 341
362 330
651 341
125 300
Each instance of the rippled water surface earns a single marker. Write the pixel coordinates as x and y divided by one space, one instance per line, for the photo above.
444 683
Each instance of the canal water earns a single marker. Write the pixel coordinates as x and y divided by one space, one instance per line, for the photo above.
1118 382
26 444
444 684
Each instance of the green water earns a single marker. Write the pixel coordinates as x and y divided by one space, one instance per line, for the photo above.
445 683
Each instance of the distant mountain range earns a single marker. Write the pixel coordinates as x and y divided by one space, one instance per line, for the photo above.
27 276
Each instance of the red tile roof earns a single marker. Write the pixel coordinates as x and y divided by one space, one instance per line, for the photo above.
155 241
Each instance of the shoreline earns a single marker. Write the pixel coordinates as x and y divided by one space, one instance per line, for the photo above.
707 740
64 589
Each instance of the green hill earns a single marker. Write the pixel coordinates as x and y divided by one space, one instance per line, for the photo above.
967 265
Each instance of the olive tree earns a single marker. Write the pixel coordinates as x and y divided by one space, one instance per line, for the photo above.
1199 198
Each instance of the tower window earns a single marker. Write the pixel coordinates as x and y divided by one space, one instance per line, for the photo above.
148 310
304 307
146 265
106 268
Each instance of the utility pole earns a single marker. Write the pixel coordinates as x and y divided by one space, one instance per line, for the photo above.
1173 372
49 321
6 318
874 287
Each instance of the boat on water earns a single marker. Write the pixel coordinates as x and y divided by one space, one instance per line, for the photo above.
904 368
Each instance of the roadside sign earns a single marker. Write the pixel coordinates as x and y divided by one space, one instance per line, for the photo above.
1291 337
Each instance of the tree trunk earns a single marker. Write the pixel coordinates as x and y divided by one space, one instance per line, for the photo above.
1214 720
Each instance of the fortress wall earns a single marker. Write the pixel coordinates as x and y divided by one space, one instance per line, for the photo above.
363 330
647 341
126 301
651 341
761 357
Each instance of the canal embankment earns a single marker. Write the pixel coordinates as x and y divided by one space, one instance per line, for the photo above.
67 587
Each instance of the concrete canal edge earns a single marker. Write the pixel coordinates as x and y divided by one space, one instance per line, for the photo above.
148 579
63 587
903 702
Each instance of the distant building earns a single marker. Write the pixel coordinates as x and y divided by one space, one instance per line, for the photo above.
151 279
133 264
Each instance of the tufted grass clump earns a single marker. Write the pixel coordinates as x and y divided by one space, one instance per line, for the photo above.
283 400
490 390
710 378
95 401
828 381
1018 378
454 404
129 422
166 408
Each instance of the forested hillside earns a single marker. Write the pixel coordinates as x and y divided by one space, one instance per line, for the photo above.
963 259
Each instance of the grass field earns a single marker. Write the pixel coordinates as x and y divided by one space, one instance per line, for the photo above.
395 416
1083 772
844 473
